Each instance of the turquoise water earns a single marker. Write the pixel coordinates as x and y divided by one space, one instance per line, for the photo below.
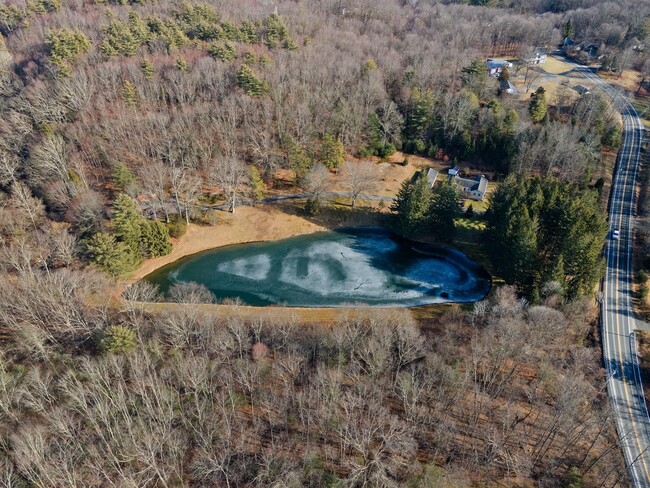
353 266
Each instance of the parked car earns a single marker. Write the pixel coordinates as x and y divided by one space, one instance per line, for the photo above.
615 234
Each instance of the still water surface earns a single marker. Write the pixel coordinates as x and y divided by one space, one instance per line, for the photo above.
361 265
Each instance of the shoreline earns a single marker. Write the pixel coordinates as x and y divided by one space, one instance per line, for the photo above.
247 224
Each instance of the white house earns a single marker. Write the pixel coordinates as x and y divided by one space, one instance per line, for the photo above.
536 57
495 66
472 188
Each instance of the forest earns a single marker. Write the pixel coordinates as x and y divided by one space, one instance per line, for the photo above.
122 121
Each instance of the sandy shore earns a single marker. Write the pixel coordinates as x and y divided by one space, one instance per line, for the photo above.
247 224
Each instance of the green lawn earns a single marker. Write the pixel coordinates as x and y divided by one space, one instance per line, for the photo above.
469 237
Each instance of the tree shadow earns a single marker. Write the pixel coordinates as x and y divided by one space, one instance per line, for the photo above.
333 214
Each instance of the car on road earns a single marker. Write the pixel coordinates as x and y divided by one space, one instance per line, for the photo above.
616 234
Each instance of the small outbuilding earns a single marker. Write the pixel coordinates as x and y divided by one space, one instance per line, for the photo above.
432 175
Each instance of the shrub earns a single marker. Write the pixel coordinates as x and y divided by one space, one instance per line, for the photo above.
177 226
313 207
118 339
469 213
190 293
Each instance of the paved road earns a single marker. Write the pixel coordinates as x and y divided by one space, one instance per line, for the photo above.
619 342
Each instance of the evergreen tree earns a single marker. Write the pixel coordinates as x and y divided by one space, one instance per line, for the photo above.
127 222
504 75
116 258
249 32
332 152
155 239
123 176
168 32
412 206
277 33
298 160
250 83
567 29
147 69
545 230
64 46
129 94
419 117
139 28
612 137
444 210
230 31
43 6
225 52
118 339
181 64
198 21
537 106
475 78
119 39
258 188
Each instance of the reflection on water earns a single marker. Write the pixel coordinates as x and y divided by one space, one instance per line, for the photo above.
368 266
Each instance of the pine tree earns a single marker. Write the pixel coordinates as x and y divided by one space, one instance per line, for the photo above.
412 206
116 258
225 52
118 339
298 160
64 46
123 176
147 69
419 117
332 152
567 29
504 75
444 210
249 32
127 222
537 106
119 39
250 83
129 94
155 239
181 64
258 188
277 33
139 28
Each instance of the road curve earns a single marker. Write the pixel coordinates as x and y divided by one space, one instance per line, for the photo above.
624 384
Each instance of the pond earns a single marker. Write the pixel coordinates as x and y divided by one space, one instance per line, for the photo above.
366 266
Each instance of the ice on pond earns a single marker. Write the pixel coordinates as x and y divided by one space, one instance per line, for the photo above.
368 266
254 267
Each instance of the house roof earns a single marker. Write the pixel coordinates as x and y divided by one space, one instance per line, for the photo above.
497 64
432 174
472 184
508 86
